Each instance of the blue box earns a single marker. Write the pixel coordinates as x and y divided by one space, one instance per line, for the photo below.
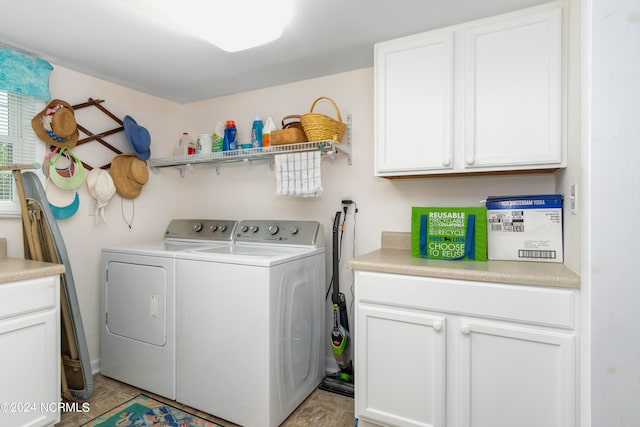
525 228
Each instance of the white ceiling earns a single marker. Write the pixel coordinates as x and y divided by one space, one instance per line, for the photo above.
122 42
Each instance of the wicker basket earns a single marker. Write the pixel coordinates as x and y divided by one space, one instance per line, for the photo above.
320 127
291 132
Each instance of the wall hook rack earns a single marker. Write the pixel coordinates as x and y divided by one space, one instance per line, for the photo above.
100 136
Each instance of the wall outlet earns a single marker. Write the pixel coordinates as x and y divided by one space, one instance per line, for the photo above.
350 204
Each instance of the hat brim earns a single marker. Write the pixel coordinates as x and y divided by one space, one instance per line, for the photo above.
120 169
41 133
64 212
138 137
65 181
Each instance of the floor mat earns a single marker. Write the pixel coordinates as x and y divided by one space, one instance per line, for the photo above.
143 411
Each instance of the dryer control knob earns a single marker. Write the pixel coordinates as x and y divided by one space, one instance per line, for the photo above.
293 230
223 228
213 228
244 228
273 229
197 228
254 228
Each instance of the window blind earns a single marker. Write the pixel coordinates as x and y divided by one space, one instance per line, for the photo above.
17 142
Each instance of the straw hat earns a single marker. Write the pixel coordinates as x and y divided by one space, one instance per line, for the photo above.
138 137
129 174
101 188
56 124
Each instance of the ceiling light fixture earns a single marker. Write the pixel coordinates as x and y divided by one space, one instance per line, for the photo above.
232 25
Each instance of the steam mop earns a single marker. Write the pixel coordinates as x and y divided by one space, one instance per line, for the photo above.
340 382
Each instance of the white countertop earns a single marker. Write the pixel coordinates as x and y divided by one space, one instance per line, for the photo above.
14 269
395 257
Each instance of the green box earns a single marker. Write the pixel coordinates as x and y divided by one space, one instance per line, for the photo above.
453 233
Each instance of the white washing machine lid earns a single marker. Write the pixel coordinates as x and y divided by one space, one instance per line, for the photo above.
247 254
165 249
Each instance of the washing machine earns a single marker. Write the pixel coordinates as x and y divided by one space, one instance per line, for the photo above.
250 322
137 297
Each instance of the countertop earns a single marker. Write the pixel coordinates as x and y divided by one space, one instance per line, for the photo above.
14 269
395 257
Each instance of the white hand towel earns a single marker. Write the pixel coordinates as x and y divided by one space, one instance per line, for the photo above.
298 174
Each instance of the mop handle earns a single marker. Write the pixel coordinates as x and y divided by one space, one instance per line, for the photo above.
336 260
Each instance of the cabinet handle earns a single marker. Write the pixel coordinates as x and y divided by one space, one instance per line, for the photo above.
437 326
470 160
465 329
446 161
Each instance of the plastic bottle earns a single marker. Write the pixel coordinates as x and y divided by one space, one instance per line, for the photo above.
256 132
266 132
203 143
230 141
217 138
181 146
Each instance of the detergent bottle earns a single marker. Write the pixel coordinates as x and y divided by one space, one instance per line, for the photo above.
230 141
217 138
256 132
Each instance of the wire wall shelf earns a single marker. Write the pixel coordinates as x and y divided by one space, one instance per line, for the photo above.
328 147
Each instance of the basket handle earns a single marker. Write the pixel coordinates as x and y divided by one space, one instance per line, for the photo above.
331 101
289 117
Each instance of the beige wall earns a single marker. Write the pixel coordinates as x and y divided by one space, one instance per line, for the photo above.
246 190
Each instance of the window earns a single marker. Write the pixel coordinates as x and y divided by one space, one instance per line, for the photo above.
18 143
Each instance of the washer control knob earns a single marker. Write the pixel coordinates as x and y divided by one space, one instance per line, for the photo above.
197 228
293 230
222 228
213 228
273 229
244 228
254 228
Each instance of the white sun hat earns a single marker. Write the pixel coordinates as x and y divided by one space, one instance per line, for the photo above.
101 187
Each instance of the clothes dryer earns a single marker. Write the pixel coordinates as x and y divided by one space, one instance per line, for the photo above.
138 286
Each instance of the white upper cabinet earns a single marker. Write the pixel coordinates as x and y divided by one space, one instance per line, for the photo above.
485 96
413 101
513 93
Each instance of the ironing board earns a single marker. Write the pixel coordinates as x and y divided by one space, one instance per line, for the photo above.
43 242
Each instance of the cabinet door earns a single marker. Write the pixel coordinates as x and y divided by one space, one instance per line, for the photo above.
515 376
399 366
30 369
413 104
513 93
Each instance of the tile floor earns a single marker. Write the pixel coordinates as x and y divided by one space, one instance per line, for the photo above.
320 409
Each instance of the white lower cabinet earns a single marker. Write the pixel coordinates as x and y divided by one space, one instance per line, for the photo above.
30 343
403 355
437 352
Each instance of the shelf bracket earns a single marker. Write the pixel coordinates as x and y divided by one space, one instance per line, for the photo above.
346 147
217 169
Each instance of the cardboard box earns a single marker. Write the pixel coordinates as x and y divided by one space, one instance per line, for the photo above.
525 228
